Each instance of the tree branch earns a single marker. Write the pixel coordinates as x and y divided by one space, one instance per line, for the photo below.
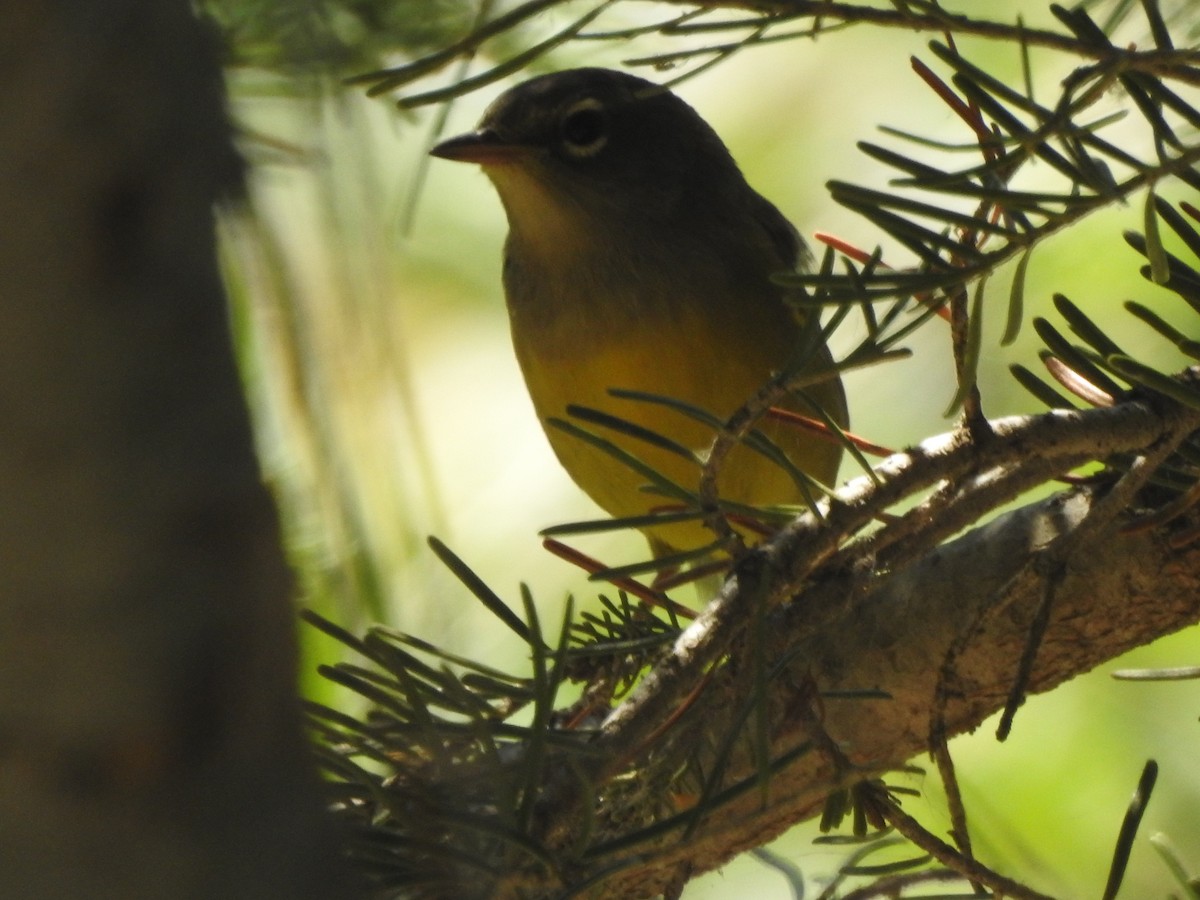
849 629
930 18
1127 591
746 722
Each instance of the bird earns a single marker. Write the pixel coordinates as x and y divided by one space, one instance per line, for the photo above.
639 258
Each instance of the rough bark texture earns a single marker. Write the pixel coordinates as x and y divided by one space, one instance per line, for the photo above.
150 741
1117 592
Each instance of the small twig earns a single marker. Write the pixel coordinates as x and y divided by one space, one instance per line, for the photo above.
1058 554
844 247
892 887
1178 63
1033 641
773 570
822 431
971 869
1166 513
734 431
939 750
647 595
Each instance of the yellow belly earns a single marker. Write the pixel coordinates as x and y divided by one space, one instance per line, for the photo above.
715 367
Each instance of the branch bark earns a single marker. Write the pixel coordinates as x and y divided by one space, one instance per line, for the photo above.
965 607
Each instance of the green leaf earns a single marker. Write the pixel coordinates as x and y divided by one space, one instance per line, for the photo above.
670 561
494 74
861 196
649 520
663 484
479 588
1075 357
1087 330
1182 278
1129 827
1016 300
630 429
970 360
1155 380
1160 271
1040 389
1181 226
1185 344
1170 857
896 160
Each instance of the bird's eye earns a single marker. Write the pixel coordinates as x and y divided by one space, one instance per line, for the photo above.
584 128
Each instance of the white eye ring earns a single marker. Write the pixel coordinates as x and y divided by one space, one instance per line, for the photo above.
584 128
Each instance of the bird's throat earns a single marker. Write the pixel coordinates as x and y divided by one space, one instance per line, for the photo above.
554 232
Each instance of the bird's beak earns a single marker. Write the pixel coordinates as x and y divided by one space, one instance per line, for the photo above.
484 147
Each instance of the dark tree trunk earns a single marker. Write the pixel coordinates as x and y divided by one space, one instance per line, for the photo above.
150 739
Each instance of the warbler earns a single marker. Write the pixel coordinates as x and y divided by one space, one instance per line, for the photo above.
638 257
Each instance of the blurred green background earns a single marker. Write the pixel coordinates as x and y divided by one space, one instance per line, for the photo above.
373 335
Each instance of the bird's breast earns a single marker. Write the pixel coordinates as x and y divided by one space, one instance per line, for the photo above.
709 341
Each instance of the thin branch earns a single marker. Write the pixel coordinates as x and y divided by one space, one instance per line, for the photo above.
780 568
1176 63
969 868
